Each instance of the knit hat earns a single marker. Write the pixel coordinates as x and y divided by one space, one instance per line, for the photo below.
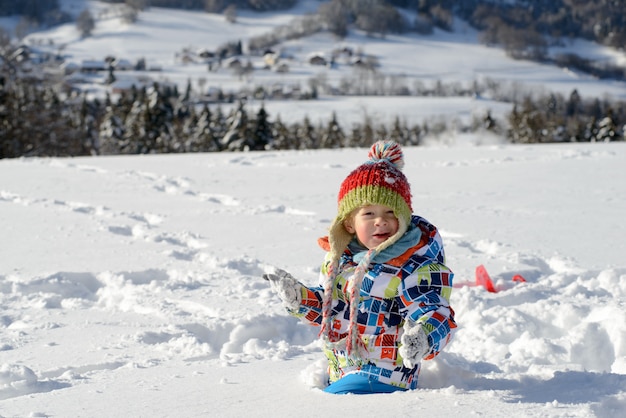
379 181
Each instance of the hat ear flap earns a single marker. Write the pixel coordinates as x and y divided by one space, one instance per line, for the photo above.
339 238
349 225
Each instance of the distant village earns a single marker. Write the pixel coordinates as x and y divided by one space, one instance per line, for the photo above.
138 73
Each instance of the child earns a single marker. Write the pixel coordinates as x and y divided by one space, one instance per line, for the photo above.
383 302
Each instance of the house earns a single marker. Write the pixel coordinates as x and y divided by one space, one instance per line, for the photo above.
187 58
69 67
206 54
270 59
121 64
93 66
317 59
232 63
281 68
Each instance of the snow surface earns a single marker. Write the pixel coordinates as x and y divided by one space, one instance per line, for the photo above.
131 286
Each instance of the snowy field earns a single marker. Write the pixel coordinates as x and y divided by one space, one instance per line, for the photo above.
130 286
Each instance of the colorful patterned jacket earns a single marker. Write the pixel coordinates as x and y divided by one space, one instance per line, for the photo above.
415 285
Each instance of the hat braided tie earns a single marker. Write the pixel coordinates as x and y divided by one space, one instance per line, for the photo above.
328 298
354 342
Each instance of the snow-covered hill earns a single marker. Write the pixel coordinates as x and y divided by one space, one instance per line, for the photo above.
161 35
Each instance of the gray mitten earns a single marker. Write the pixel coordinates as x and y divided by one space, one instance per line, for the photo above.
414 344
288 289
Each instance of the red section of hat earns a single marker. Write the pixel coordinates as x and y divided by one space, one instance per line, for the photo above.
378 174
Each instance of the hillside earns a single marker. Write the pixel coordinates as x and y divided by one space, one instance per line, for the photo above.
162 35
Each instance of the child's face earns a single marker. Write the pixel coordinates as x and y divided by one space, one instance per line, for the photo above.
373 224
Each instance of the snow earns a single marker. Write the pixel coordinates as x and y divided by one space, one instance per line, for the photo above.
131 286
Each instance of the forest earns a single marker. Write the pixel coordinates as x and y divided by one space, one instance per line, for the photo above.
34 121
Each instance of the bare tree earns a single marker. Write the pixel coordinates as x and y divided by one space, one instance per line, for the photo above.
214 6
230 13
85 23
138 5
23 27
335 15
5 38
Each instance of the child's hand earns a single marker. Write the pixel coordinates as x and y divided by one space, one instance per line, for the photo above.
288 289
414 344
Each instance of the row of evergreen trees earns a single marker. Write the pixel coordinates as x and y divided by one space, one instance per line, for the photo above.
36 121
552 118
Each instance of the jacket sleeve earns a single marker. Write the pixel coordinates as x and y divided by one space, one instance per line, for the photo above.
311 305
424 297
312 298
310 310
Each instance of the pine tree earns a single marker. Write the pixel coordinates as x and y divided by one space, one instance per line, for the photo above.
238 137
282 138
574 129
356 133
85 23
414 135
9 143
204 132
159 130
58 136
607 129
87 129
307 136
380 133
219 126
572 107
333 136
262 131
399 132
528 124
111 133
186 129
367 135
134 139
